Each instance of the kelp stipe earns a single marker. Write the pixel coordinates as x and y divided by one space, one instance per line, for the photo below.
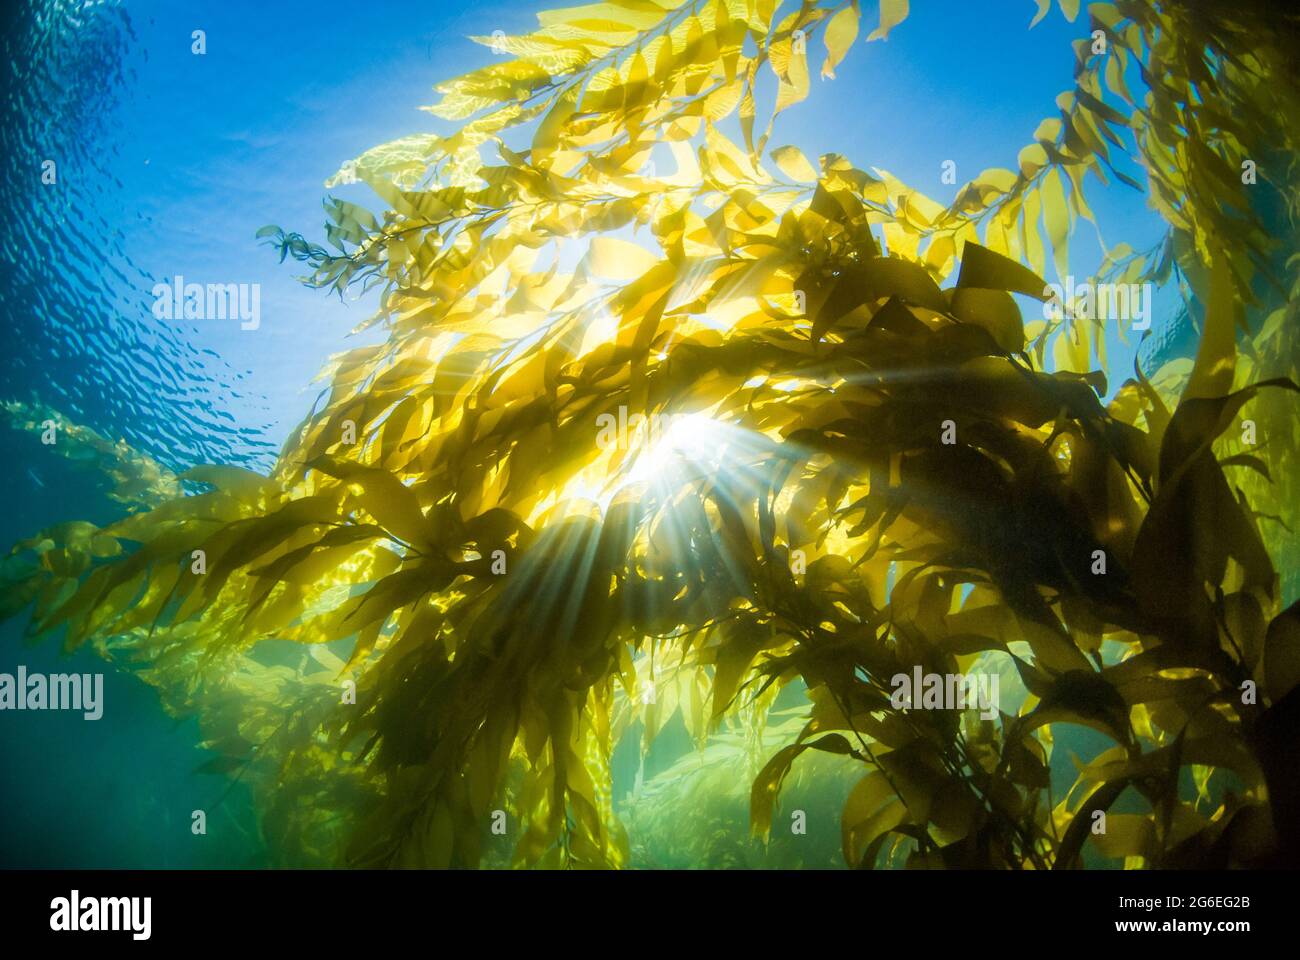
424 635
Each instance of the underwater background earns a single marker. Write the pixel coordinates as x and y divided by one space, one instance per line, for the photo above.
167 164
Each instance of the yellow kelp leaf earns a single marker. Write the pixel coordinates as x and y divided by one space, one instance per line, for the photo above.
767 786
795 84
547 138
940 254
727 162
1032 159
1075 173
621 15
840 34
723 100
393 504
870 810
618 259
794 164
244 485
1216 356
688 166
1057 217
636 84
1070 349
1115 78
1031 232
901 240
895 277
402 162
981 267
603 91
892 13
986 188
994 310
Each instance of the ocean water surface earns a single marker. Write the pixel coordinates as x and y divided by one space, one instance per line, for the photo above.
133 160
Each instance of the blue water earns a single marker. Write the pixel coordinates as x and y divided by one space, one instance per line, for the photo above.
167 162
